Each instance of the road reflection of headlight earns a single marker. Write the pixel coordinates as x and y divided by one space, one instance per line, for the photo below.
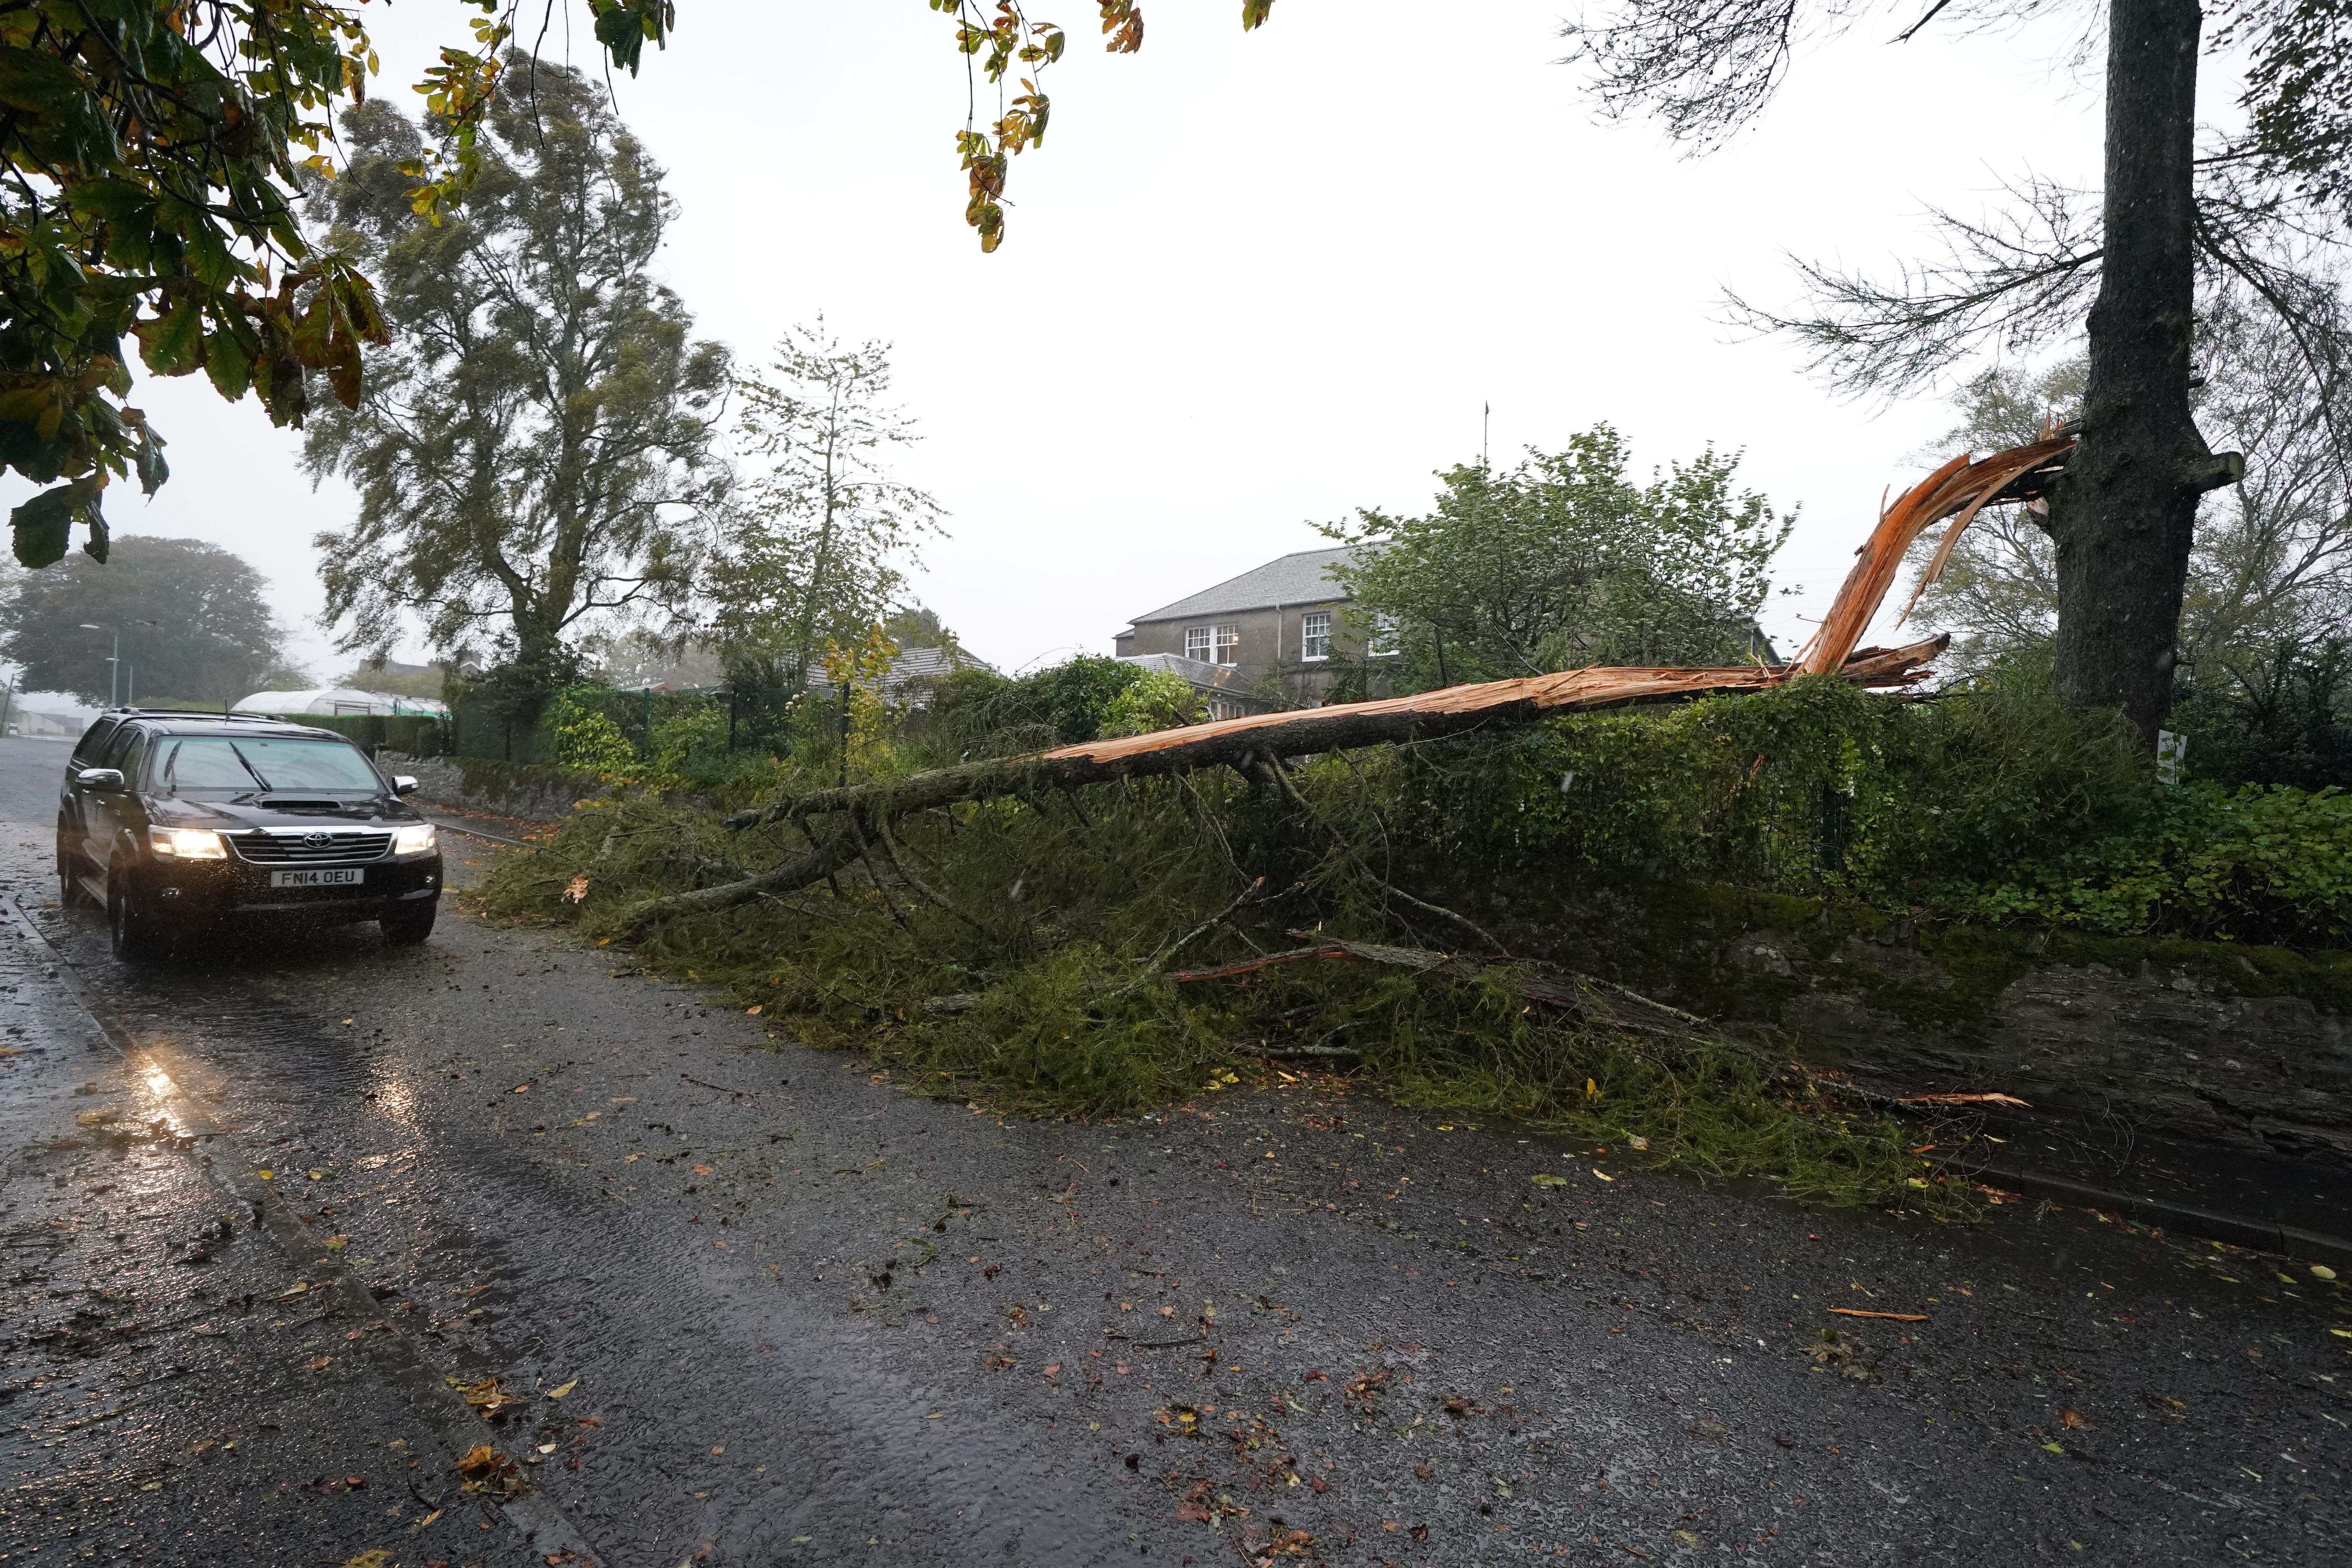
187 843
416 839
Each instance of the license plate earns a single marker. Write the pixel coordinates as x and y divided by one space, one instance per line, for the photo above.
347 876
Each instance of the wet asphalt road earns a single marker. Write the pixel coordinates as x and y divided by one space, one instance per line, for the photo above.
754 1305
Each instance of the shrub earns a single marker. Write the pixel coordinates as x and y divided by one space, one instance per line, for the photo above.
1155 700
2255 863
987 714
587 740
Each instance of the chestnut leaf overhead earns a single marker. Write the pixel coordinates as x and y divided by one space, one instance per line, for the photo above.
151 151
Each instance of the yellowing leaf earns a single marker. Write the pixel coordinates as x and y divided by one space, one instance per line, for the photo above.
1548 1180
560 1391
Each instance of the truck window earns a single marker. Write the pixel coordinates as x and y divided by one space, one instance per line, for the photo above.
93 740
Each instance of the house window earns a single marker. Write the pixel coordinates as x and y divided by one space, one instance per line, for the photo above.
1228 645
1196 643
1315 635
1388 637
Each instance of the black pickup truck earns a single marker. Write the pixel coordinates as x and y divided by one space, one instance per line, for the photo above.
178 822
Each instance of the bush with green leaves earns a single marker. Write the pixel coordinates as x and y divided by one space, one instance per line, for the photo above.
2262 863
1065 704
588 742
1157 700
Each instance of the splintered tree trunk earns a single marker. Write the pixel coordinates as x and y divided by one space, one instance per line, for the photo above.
2128 506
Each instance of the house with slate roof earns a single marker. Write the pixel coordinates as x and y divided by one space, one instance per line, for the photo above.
1276 636
1269 638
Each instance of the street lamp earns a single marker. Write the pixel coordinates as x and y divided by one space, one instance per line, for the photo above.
113 664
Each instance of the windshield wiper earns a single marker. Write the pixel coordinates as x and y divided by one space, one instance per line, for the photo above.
246 763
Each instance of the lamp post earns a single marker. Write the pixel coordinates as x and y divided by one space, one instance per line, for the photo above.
114 681
113 663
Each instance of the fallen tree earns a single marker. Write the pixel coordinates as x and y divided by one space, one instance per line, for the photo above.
861 814
865 812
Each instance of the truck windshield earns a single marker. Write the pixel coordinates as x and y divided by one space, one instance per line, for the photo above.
219 762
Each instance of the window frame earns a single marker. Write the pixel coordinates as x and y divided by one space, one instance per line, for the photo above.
1313 636
1387 640
1225 645
1199 642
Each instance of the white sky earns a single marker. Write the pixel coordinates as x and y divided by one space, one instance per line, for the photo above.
1251 282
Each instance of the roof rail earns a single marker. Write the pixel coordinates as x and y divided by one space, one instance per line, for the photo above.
195 713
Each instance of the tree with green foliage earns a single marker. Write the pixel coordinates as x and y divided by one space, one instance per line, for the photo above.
151 150
1066 704
2272 564
1564 561
812 551
536 450
193 620
2244 207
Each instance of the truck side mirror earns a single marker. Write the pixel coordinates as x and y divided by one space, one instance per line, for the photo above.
100 778
401 783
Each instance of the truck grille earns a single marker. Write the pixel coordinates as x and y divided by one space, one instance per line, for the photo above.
310 848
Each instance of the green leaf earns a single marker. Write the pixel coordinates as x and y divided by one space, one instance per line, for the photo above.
113 200
228 363
173 345
44 525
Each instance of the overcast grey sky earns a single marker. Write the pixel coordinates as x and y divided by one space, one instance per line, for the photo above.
1251 282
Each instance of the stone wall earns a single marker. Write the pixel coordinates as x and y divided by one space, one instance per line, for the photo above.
2220 1043
502 789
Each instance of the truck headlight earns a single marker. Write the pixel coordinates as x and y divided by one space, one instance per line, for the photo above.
187 843
416 839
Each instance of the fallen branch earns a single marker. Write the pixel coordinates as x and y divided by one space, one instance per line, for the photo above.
824 858
1294 1053
1628 1011
1891 1317
1238 742
1159 960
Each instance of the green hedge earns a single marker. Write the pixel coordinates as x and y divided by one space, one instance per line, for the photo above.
411 735
1982 804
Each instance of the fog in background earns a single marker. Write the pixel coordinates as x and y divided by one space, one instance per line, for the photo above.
1250 282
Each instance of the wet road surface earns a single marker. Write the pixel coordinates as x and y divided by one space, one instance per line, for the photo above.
752 1304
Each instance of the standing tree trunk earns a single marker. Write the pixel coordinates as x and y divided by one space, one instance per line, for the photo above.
2128 506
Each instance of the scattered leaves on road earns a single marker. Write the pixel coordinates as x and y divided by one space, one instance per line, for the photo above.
489 1473
490 1395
